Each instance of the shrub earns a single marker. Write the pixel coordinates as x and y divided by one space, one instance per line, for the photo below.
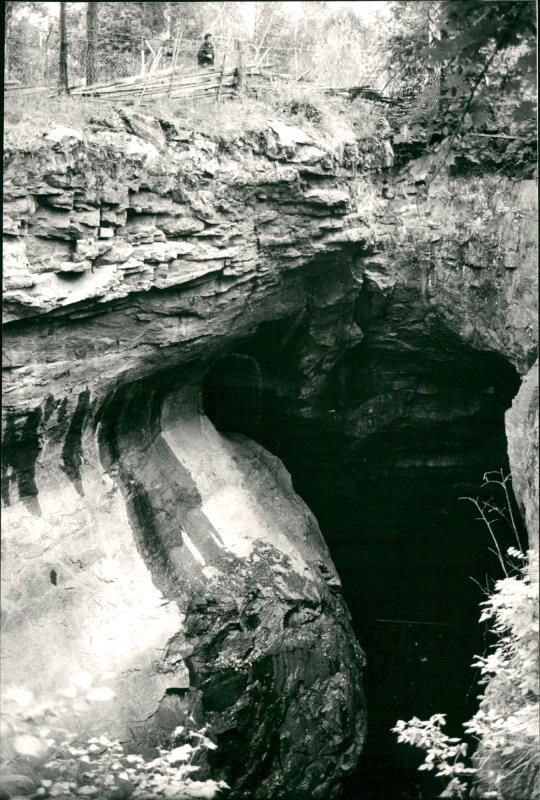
65 764
506 764
507 723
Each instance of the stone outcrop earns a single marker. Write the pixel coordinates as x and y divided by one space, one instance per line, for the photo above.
522 435
136 257
216 600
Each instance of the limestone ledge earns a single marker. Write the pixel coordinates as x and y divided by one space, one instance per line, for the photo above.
102 214
94 217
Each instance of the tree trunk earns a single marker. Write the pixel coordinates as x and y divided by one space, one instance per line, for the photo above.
91 41
8 13
64 84
240 75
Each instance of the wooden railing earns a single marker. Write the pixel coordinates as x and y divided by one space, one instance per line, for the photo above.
155 84
204 82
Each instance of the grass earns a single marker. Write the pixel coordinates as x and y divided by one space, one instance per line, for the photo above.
328 118
27 118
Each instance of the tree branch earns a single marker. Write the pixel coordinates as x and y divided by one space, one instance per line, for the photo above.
499 44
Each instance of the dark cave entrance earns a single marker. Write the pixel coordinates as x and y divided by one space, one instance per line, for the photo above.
382 457
232 394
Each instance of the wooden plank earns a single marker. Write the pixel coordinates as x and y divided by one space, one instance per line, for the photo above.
132 92
152 91
117 82
23 92
183 94
137 82
207 90
230 93
176 93
157 82
180 95
191 89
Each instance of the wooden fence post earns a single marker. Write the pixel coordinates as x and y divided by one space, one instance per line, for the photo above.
91 42
151 71
176 53
240 73
222 71
63 65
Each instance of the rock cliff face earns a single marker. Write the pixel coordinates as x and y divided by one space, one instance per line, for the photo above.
157 282
522 435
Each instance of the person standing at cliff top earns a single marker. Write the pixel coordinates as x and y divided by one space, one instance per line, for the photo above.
205 55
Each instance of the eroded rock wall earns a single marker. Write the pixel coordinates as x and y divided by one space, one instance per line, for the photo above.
182 243
522 436
135 257
193 572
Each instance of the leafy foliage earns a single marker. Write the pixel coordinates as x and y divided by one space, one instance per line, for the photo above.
507 723
65 763
506 727
408 36
468 69
445 754
25 27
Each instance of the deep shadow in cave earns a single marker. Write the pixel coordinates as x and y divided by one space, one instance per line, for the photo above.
383 459
232 394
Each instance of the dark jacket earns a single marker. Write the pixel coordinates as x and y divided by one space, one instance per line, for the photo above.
206 53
